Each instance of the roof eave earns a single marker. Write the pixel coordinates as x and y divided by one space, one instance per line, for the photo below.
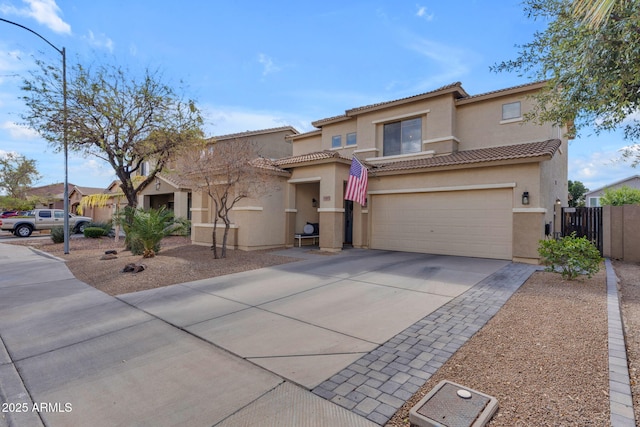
460 166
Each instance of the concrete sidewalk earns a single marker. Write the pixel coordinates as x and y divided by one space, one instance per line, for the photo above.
330 340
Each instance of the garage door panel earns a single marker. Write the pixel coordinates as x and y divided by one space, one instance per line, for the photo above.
465 223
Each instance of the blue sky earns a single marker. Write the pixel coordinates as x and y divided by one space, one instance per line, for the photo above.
256 65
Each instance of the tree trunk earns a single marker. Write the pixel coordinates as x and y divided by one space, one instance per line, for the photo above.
214 245
224 239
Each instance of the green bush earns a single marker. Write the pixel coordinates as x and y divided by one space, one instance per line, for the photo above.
620 196
57 234
94 232
571 255
106 226
145 228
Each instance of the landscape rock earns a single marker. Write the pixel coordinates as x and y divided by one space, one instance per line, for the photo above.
108 257
133 268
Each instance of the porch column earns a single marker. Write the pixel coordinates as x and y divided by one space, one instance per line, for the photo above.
331 212
180 204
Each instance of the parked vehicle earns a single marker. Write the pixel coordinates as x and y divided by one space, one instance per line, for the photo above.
7 214
42 219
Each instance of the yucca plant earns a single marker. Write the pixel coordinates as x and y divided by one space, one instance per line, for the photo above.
147 227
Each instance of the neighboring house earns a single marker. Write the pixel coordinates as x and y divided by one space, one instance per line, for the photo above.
168 192
106 209
50 196
592 198
449 173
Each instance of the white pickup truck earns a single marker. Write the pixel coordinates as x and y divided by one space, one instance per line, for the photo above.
42 219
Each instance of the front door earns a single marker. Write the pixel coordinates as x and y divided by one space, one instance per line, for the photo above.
348 222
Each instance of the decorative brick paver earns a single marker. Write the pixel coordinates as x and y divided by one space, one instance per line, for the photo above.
620 398
377 385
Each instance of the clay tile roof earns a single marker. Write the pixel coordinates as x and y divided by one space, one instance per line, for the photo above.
309 157
492 154
456 85
267 164
249 133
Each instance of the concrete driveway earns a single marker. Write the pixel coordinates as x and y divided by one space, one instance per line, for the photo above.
232 350
306 321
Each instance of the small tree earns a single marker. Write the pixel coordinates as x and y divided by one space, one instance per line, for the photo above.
115 116
17 174
624 195
227 172
577 190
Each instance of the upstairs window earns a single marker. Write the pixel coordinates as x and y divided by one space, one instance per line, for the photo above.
511 111
351 139
336 141
402 137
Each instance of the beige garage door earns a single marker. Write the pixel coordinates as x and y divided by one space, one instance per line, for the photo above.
467 223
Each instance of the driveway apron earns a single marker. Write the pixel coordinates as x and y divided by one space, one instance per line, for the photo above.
277 346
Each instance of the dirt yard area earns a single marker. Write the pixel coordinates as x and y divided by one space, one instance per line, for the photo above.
544 354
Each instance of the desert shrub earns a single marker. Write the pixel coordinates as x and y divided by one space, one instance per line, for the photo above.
571 255
146 228
57 234
106 226
94 232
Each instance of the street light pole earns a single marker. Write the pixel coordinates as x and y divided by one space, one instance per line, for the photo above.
65 141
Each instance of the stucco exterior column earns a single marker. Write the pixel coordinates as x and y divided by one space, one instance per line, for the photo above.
180 204
331 212
528 230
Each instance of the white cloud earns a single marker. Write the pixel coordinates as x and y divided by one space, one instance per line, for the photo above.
599 168
4 153
102 41
44 11
268 66
447 63
90 170
227 120
19 131
422 13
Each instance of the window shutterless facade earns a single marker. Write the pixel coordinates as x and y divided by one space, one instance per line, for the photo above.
511 111
402 137
336 141
351 139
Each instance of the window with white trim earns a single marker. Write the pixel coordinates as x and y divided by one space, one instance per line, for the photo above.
511 111
351 139
402 137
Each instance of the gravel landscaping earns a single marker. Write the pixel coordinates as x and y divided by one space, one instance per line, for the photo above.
543 355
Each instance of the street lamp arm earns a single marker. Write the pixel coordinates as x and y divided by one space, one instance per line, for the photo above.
31 31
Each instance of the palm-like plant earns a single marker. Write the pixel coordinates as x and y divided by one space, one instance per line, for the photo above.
145 228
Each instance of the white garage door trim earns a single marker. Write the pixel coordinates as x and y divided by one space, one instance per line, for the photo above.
476 221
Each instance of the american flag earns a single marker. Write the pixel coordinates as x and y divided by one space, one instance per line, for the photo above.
357 183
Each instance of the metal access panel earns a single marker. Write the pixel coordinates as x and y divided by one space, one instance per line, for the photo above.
452 405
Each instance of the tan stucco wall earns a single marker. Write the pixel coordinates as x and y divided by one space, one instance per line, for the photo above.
621 232
479 124
307 144
528 230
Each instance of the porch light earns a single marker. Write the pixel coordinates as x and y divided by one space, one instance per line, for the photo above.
558 202
525 198
314 202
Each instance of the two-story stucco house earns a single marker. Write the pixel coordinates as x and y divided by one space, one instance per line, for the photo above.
449 173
